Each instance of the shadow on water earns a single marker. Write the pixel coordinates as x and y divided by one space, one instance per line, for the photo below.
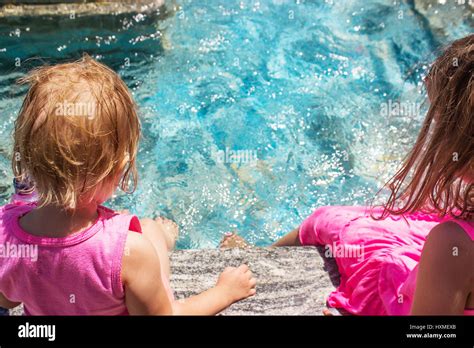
116 40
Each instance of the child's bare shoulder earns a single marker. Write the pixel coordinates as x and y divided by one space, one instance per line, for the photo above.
136 244
449 252
451 245
450 233
138 252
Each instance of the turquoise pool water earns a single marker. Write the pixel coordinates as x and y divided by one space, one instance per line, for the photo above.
254 112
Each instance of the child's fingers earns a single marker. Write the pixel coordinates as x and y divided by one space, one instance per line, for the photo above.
253 283
244 268
327 312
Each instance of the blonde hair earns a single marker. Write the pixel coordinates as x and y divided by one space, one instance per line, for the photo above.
438 174
77 130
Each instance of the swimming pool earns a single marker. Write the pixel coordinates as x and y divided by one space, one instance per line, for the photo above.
254 112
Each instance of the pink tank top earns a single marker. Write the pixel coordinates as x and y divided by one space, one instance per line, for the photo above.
76 275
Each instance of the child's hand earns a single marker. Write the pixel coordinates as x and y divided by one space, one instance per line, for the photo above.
237 283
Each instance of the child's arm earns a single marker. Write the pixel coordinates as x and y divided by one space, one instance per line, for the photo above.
234 284
6 303
145 293
445 272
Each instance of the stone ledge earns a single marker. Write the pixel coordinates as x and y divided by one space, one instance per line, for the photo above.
291 281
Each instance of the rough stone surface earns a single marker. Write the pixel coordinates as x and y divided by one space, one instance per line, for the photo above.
291 281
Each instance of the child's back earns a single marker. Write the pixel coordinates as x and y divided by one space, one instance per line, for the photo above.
74 275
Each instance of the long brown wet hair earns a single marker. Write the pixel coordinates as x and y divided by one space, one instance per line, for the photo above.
437 175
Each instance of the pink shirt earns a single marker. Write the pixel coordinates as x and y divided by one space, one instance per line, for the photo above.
379 259
76 275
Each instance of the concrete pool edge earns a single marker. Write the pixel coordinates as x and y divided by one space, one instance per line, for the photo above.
291 280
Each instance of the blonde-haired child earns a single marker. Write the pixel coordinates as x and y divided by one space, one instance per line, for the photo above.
76 140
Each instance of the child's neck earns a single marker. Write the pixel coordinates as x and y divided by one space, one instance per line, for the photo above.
52 221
